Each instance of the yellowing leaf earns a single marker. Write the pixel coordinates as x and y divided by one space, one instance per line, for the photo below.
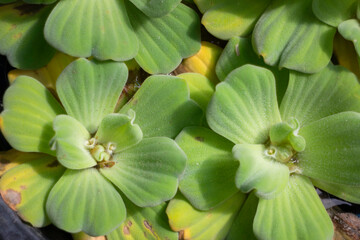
12 158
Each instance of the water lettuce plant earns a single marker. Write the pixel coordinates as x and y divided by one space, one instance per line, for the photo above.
114 29
90 156
277 152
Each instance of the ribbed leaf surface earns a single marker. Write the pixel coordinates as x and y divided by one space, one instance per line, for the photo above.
298 212
89 90
21 35
156 8
83 200
312 97
165 41
85 28
148 172
29 111
210 169
163 107
332 149
144 223
199 225
25 188
289 35
244 106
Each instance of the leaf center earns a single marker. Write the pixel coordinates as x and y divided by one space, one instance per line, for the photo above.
102 153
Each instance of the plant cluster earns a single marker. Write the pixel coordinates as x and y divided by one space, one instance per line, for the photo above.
229 148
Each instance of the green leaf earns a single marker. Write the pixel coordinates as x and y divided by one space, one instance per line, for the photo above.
210 170
30 1
156 8
332 149
165 41
25 188
144 223
333 12
21 36
147 173
70 138
29 110
258 171
298 212
163 107
244 106
200 87
198 225
205 5
119 129
289 35
83 200
228 18
99 29
312 97
350 30
242 228
89 90
238 52
344 191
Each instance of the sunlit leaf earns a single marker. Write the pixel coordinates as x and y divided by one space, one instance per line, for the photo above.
89 90
210 170
156 8
244 106
147 173
163 107
228 18
198 225
25 188
289 35
144 223
99 29
29 110
333 12
165 41
332 149
83 200
350 30
120 130
21 36
259 172
70 138
298 212
312 97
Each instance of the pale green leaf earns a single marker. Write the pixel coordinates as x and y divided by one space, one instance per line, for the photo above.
229 18
120 130
85 28
289 35
259 171
242 227
70 138
156 8
25 187
89 90
332 149
21 35
210 170
29 110
200 87
298 212
333 12
165 41
343 191
147 173
350 30
238 52
199 225
312 97
144 223
83 200
244 106
163 107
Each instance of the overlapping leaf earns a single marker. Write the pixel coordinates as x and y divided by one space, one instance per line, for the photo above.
350 30
155 8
